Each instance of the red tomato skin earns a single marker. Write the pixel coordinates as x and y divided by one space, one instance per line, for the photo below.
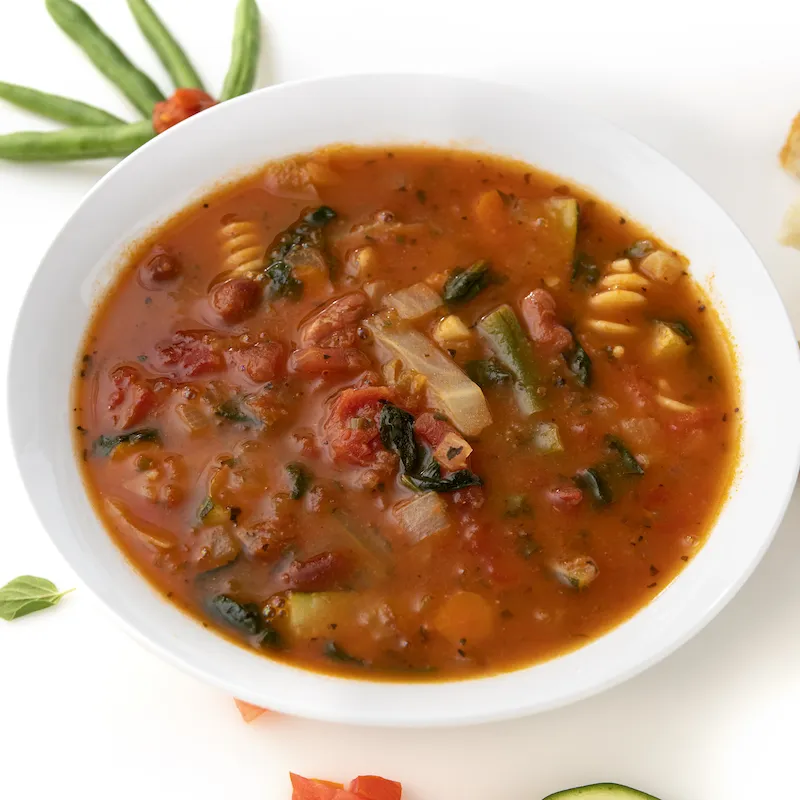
183 104
371 787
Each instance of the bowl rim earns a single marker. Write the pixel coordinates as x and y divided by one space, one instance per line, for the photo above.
352 705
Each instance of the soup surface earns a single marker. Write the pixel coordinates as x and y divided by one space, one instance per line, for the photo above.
418 413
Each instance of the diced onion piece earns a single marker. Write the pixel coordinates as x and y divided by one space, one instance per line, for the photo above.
662 266
576 573
789 234
194 420
667 343
362 263
312 613
547 439
414 302
125 520
451 331
464 616
452 452
422 517
375 290
449 388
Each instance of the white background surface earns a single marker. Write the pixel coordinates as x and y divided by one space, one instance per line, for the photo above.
84 708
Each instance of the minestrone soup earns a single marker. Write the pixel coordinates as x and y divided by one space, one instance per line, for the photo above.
415 413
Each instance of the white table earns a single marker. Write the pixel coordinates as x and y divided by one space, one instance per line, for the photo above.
83 707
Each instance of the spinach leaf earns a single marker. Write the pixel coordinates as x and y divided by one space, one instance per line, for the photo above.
465 284
244 617
299 479
338 653
104 445
579 364
591 480
429 479
282 281
269 638
628 465
681 328
396 429
517 505
27 595
584 270
640 249
231 410
306 233
487 372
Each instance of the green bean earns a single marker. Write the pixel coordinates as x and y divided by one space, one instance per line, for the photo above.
61 109
71 144
244 53
105 55
175 61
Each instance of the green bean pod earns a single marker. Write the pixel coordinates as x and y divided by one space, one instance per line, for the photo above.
61 109
72 144
244 53
105 55
172 56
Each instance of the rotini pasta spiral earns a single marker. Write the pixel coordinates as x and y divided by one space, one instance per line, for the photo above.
242 246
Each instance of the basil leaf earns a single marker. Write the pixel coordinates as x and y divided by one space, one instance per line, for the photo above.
231 410
283 282
396 429
299 479
26 595
104 445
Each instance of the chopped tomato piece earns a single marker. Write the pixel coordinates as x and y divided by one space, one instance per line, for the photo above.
183 104
248 711
263 362
311 789
539 312
190 353
131 398
428 427
371 787
323 360
352 425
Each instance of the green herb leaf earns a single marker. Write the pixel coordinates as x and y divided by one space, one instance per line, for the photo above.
465 284
205 509
430 479
627 463
231 410
245 617
579 364
584 270
487 372
26 595
591 480
640 249
299 479
517 505
397 434
338 653
282 281
104 445
681 328
527 546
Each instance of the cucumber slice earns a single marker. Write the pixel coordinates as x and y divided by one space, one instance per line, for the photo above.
601 791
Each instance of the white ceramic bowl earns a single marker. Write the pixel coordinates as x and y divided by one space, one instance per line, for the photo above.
240 135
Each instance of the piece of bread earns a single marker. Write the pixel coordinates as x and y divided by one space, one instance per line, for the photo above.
790 229
790 154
